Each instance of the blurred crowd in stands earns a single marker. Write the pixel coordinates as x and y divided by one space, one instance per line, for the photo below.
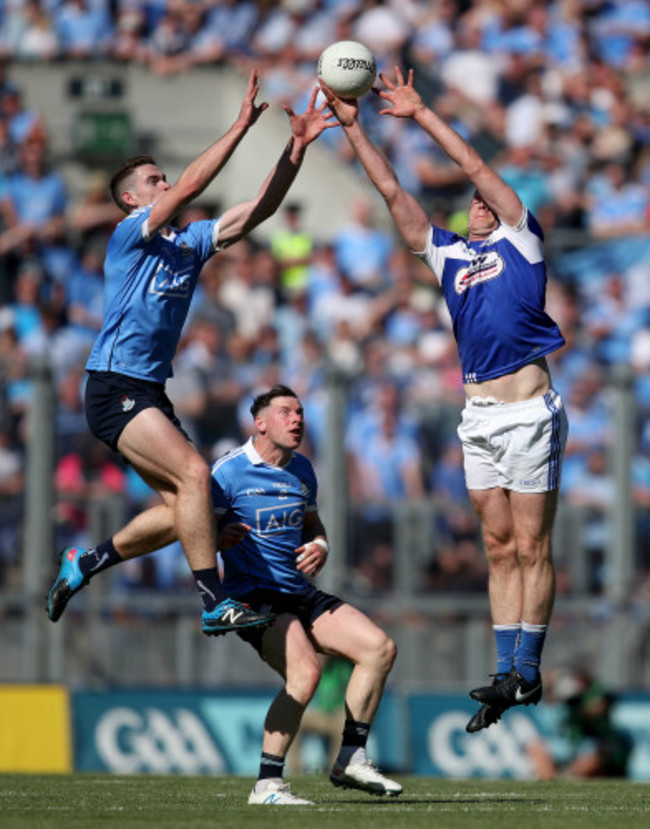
556 95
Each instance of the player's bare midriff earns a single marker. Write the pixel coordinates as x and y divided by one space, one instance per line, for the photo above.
531 380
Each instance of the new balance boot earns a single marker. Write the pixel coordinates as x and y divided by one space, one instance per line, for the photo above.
275 793
231 615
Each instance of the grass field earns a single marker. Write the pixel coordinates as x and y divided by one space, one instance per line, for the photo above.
102 801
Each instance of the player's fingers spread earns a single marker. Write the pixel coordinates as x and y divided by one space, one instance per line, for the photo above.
312 98
411 77
386 81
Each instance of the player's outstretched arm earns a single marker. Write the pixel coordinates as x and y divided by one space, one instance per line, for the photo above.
406 103
410 219
240 220
196 177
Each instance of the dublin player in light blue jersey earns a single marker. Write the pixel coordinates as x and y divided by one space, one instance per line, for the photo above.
273 542
151 272
514 425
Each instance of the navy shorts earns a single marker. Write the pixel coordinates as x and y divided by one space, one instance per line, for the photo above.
112 400
307 606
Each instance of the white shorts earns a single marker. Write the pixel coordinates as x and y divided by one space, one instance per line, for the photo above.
517 446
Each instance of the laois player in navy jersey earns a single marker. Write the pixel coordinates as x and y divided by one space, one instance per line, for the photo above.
273 543
514 426
151 272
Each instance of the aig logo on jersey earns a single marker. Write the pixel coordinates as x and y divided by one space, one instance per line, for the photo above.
168 282
278 518
483 268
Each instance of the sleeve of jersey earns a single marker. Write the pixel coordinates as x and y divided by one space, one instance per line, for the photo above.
435 252
201 237
527 237
132 231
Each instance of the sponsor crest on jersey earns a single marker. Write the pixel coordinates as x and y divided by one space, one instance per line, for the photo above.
483 268
172 281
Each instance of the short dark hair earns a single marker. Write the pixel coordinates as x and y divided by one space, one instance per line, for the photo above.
263 400
125 170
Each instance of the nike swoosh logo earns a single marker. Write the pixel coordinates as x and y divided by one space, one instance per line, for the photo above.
522 697
100 562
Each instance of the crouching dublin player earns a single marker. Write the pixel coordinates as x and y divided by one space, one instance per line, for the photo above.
272 542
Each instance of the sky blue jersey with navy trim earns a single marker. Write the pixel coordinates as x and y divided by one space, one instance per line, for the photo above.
273 501
148 287
495 291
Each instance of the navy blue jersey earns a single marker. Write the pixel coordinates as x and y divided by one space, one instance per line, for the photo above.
149 283
495 290
273 501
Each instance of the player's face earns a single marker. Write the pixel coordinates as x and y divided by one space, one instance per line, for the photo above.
282 422
145 185
482 221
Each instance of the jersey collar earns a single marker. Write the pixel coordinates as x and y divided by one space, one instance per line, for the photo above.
256 459
252 454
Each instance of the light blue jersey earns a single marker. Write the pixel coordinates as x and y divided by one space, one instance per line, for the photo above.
495 291
273 501
149 283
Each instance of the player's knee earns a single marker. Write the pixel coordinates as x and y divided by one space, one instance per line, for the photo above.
384 652
501 550
303 679
533 554
196 474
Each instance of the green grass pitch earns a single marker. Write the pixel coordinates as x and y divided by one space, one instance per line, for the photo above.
175 802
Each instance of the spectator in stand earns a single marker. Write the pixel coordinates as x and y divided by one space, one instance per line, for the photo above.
469 70
29 34
71 425
25 309
84 28
363 250
618 206
85 297
23 123
129 41
590 420
245 293
384 469
12 489
292 247
168 38
592 487
611 322
35 201
93 217
521 167
200 42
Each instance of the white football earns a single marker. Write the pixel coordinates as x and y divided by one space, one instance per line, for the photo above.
348 68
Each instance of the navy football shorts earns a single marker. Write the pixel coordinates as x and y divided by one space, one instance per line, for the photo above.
307 605
112 400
